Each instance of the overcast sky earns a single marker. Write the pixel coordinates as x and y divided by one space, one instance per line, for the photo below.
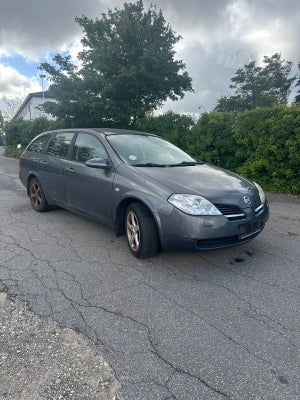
219 36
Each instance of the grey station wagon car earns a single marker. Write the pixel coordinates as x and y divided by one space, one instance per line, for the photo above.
144 187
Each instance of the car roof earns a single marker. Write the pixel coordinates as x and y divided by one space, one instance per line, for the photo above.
112 131
104 131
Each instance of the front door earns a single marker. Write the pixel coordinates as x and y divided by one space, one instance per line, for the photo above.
89 190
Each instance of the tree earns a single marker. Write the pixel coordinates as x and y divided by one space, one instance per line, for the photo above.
11 105
127 69
257 86
297 98
1 129
1 123
231 104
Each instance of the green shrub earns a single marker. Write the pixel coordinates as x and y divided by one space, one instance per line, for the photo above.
261 144
22 132
12 151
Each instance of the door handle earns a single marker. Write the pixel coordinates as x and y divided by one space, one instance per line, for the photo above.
70 169
43 162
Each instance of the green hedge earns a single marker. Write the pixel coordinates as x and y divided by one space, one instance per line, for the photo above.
22 132
269 147
261 144
12 151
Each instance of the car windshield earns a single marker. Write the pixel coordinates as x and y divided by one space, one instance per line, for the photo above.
148 151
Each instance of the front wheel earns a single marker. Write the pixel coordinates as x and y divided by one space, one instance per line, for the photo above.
37 197
141 231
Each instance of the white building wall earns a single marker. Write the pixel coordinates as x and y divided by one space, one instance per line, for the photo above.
31 111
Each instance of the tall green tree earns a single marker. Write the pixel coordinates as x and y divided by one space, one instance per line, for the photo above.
128 68
1 123
259 86
297 98
1 129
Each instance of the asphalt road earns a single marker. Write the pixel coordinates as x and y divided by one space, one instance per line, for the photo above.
185 326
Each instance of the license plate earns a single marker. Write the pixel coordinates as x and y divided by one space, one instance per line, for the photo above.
250 228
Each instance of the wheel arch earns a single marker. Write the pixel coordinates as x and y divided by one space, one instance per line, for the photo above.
29 178
121 213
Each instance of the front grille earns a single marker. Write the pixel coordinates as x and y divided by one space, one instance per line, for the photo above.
231 212
257 202
215 243
206 244
258 206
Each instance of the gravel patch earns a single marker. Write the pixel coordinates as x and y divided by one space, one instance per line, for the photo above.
42 363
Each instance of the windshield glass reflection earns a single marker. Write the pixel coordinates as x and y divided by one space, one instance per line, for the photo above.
148 151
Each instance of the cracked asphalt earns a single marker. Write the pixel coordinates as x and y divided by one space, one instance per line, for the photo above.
185 326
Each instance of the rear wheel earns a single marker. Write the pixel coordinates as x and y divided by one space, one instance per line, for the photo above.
37 197
141 231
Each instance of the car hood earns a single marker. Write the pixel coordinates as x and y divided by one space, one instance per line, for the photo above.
213 183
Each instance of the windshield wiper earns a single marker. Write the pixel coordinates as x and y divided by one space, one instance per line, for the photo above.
149 165
187 164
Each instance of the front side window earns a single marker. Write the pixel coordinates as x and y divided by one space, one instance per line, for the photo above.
86 147
39 144
59 145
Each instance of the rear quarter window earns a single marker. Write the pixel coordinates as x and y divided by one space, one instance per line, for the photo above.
39 144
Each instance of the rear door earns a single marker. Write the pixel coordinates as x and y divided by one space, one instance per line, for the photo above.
89 190
52 167
30 158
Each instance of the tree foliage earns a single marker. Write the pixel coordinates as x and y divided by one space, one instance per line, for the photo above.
256 86
1 123
22 132
10 107
297 98
127 68
211 141
261 144
1 129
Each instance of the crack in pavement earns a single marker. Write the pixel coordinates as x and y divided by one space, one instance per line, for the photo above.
92 332
155 351
211 325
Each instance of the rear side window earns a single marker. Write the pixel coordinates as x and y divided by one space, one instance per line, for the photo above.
59 145
86 147
39 144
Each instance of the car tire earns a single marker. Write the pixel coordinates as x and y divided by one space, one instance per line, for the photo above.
141 231
37 198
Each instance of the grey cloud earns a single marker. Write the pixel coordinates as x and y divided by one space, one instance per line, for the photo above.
30 27
219 36
211 69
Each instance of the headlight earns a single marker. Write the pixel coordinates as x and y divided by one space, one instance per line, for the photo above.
193 205
261 193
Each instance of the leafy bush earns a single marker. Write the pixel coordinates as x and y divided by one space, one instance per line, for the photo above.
211 140
269 147
13 151
262 144
22 132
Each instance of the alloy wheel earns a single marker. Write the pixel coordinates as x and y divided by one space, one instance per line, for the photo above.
35 194
133 231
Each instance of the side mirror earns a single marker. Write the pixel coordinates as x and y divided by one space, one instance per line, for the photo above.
99 163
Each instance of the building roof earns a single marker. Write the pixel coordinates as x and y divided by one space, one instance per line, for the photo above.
46 94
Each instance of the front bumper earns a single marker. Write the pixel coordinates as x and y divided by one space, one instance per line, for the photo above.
183 231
